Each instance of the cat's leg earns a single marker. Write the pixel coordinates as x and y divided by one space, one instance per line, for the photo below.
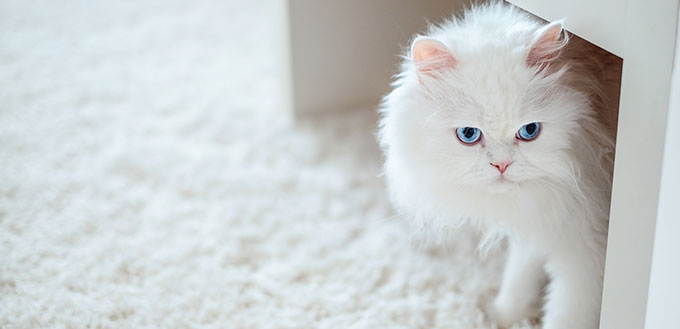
575 291
523 280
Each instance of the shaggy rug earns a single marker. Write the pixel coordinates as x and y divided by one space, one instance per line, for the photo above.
149 179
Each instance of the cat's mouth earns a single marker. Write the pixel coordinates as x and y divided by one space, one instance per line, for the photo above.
503 180
503 185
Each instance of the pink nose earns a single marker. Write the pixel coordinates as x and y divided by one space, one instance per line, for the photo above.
501 166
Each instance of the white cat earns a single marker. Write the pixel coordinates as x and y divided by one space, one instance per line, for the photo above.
498 118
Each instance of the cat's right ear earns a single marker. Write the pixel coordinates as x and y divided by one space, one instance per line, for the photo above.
431 57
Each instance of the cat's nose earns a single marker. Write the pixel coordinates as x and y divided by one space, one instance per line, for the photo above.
501 166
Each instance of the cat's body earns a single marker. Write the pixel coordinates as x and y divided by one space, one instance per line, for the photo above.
497 119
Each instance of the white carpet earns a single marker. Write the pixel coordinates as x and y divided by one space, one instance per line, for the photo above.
148 179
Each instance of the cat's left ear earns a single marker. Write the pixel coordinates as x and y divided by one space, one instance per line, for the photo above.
431 57
546 44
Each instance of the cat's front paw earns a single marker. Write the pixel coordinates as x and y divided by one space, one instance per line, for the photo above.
503 316
507 313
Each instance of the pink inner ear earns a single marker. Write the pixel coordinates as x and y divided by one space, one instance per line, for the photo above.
546 46
432 57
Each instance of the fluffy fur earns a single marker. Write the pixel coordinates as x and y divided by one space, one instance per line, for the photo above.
497 70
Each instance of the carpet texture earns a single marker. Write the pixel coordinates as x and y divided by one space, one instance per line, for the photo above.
149 179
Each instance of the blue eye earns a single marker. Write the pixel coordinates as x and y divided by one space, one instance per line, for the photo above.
469 135
529 131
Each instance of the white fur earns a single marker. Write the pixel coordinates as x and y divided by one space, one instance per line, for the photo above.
553 204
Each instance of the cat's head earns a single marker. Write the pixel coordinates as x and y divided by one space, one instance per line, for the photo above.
483 111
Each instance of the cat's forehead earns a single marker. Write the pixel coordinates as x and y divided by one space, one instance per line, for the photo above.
493 94
498 109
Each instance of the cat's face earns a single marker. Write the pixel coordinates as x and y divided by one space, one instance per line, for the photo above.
488 122
496 140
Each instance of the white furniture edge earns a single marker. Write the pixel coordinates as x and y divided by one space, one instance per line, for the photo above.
663 308
650 43
601 22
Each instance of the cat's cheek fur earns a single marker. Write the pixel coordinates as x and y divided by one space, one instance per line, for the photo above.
554 199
